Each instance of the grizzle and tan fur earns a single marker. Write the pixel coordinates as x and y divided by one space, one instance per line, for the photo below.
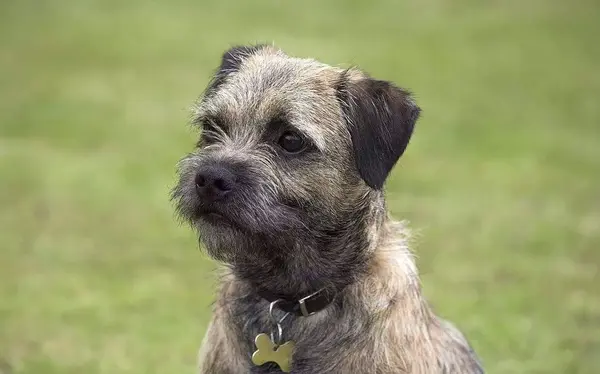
298 224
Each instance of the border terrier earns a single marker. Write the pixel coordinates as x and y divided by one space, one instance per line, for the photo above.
285 188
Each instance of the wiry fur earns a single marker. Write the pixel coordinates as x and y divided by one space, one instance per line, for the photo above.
297 223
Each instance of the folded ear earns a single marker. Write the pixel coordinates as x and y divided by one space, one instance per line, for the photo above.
381 118
230 63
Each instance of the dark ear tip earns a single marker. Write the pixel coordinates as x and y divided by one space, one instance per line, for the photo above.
231 60
237 51
415 113
233 57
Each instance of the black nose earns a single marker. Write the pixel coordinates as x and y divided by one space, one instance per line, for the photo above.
214 182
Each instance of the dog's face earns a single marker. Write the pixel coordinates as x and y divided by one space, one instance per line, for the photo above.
293 154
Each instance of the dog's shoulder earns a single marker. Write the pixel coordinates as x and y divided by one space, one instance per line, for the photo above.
455 353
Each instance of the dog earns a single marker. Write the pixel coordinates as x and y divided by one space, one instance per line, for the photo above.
285 188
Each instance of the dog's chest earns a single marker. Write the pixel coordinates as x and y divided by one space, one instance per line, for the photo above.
312 368
308 358
305 359
269 368
318 339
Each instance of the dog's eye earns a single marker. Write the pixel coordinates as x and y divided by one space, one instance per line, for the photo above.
292 142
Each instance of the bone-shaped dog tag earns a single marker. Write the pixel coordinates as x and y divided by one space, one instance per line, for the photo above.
267 351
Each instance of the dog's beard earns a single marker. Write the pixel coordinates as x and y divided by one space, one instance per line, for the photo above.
246 234
236 231
299 260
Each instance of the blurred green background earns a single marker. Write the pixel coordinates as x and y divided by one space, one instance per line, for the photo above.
501 179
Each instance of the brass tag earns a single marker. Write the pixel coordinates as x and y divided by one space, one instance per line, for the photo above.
266 351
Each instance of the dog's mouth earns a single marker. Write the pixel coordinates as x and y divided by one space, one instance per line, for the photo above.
214 217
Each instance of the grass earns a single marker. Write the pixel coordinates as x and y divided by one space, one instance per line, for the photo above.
501 179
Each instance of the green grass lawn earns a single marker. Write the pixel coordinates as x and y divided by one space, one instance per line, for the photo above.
501 180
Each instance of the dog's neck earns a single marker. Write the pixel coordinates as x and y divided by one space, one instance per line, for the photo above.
295 273
389 267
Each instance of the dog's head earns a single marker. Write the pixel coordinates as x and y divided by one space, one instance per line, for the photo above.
292 158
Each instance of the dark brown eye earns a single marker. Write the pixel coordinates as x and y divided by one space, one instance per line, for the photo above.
291 142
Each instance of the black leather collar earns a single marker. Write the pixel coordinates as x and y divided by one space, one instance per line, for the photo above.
305 306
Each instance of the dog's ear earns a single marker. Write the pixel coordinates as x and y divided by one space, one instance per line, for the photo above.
230 63
233 57
381 118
